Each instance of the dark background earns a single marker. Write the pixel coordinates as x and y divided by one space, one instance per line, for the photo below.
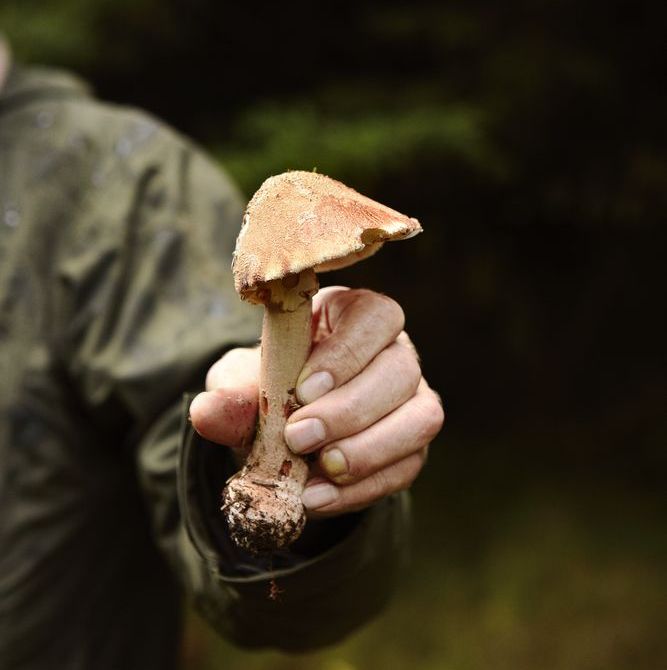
529 139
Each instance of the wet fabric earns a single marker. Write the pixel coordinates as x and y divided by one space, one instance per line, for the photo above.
116 296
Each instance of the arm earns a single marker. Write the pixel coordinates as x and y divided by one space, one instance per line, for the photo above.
151 307
378 412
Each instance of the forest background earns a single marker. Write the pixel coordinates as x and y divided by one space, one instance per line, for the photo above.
529 139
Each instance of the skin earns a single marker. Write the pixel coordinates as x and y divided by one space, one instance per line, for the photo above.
380 414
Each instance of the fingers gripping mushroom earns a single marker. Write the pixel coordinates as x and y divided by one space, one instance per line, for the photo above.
296 224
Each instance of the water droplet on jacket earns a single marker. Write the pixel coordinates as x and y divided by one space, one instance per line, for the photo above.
124 146
44 164
217 308
11 218
76 141
44 119
97 178
144 130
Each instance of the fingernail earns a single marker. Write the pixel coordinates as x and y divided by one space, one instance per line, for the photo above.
314 386
304 434
334 462
319 495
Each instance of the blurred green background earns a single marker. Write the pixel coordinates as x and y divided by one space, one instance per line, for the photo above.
529 138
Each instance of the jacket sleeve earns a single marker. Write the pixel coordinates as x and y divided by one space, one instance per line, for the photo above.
301 599
151 305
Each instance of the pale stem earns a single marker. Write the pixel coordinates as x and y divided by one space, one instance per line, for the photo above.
286 342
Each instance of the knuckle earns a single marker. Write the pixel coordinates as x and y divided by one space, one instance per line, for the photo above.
383 483
401 364
379 485
404 340
359 460
416 464
413 466
410 367
429 420
349 415
397 477
344 360
390 310
437 415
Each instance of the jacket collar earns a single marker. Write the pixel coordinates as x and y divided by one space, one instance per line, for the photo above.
25 84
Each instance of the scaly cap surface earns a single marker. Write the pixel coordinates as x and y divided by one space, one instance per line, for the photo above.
299 220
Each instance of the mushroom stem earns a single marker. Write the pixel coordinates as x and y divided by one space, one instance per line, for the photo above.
286 342
263 502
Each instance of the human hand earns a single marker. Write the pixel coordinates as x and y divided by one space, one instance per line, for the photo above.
368 414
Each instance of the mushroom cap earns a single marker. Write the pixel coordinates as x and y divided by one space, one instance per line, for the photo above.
299 220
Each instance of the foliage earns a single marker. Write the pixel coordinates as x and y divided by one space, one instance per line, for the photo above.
270 140
529 138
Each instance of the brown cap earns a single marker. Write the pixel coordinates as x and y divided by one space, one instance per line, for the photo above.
299 220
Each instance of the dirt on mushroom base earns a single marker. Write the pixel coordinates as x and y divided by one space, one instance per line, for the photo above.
250 504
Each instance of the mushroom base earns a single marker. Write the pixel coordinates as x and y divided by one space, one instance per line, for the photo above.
263 516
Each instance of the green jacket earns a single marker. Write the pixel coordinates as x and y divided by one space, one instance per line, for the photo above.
116 296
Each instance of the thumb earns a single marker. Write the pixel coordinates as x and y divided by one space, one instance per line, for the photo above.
226 412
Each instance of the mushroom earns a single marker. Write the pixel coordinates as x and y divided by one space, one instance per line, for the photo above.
296 224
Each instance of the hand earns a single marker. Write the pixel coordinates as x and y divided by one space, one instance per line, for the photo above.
367 412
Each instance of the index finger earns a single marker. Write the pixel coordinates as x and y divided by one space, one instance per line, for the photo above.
356 325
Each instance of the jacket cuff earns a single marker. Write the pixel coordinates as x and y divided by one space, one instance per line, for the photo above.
354 553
